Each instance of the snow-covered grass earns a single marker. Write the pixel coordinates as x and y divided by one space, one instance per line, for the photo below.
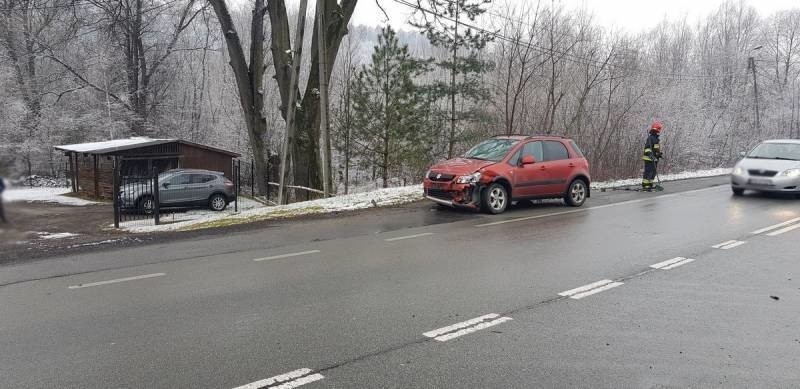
665 177
48 195
170 217
207 219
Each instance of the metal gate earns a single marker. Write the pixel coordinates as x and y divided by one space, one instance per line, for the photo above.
136 197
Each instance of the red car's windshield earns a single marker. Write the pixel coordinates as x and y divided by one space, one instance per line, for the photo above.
491 150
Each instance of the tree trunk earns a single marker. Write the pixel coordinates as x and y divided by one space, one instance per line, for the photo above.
306 150
248 80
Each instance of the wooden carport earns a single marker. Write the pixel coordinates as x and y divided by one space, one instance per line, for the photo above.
91 165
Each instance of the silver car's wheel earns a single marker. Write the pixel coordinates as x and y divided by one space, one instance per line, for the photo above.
495 199
217 203
576 194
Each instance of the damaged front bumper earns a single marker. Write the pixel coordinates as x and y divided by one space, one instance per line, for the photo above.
454 195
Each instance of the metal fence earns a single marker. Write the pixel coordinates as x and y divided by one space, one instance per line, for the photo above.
136 198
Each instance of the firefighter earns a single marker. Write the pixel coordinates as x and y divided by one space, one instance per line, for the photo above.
652 153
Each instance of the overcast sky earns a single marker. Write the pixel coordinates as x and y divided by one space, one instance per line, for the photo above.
627 15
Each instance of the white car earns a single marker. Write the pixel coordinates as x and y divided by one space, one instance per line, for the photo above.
772 166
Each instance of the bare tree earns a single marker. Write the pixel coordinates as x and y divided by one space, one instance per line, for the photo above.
306 150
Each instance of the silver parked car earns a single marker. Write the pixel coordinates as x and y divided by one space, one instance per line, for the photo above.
772 166
180 188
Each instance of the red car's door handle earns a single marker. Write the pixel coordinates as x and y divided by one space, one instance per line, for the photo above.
571 165
543 168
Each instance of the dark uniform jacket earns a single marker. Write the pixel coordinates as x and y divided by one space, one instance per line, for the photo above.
652 148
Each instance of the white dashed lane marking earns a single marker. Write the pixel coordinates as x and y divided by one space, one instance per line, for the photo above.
114 281
776 226
466 327
287 255
672 263
784 230
729 244
408 237
590 289
288 380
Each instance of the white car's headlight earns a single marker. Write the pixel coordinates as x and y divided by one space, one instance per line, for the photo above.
470 179
738 171
793 173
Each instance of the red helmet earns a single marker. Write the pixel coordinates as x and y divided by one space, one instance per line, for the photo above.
656 127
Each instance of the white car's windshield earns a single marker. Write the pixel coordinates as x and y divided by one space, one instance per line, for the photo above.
491 150
786 151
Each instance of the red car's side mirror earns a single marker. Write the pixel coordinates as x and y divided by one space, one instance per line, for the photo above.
528 160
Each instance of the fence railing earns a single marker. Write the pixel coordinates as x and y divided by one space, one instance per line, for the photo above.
141 200
249 184
136 198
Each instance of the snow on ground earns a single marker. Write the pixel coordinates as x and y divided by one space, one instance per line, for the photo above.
665 177
55 235
253 211
48 195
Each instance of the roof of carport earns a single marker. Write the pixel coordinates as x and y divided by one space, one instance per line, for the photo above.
111 146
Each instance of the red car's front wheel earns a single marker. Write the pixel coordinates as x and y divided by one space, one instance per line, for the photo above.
495 199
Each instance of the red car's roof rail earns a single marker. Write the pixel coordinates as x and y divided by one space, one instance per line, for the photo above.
527 136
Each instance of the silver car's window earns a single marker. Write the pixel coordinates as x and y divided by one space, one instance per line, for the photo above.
787 151
180 179
202 178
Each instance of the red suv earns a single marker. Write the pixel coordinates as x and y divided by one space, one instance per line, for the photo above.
511 167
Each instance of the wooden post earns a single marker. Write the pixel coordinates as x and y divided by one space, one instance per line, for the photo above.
96 178
288 143
77 174
72 174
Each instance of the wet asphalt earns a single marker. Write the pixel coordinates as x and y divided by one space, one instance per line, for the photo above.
351 297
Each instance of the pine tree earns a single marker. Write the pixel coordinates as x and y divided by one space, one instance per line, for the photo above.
389 108
443 22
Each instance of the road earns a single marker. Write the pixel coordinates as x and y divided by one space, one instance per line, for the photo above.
628 291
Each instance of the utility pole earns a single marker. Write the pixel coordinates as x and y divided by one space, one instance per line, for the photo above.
453 85
325 147
347 132
752 66
288 143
